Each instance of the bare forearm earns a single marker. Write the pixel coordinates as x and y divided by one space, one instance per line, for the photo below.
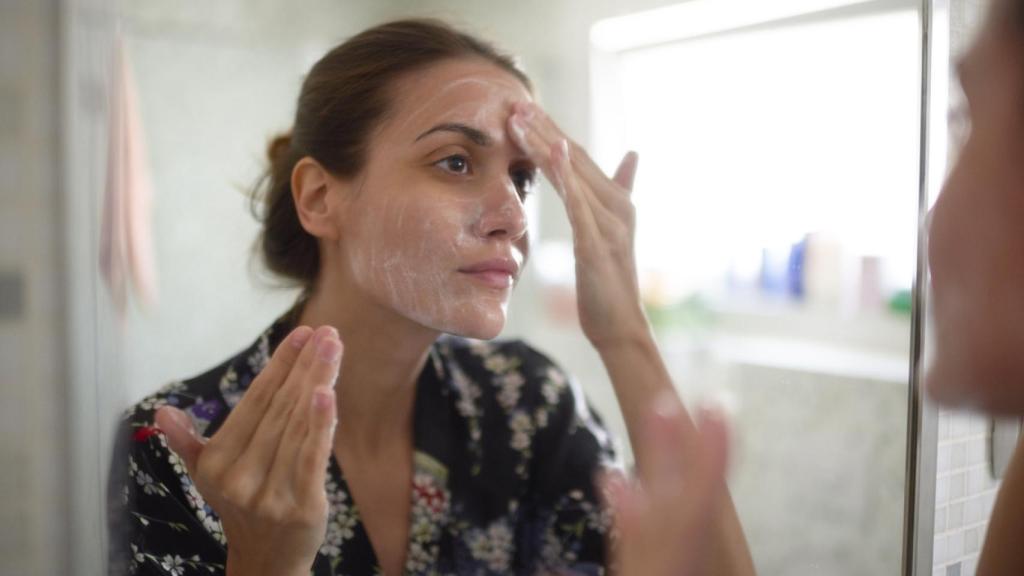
640 378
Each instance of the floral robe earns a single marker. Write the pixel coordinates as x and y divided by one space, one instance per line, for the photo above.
506 449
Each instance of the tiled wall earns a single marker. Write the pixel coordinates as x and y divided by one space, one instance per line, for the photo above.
964 487
964 493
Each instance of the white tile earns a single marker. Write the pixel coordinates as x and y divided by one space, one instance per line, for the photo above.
972 510
979 425
958 454
955 546
976 451
955 519
956 485
942 459
940 520
939 552
990 498
971 541
970 566
960 425
942 490
975 481
943 427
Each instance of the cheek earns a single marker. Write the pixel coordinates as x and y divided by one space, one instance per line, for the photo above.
412 253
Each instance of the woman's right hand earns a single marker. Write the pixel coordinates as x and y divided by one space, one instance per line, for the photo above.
264 470
666 520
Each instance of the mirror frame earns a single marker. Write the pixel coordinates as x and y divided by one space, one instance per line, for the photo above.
923 413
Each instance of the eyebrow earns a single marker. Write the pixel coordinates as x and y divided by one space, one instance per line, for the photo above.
477 136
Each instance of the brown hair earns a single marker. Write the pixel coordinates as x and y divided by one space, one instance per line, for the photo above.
343 99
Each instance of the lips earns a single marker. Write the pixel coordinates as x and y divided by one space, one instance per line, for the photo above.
495 273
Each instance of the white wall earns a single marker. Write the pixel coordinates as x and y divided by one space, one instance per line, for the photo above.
216 82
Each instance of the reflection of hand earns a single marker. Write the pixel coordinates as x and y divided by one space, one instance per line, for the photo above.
264 471
603 222
666 521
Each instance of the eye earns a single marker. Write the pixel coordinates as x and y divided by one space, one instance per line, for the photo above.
456 164
524 179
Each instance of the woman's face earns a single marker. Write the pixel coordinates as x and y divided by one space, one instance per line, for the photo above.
976 240
435 229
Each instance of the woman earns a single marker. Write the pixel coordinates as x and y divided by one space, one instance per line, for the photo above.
976 254
396 204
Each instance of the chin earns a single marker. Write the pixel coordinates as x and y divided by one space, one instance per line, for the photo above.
988 385
479 325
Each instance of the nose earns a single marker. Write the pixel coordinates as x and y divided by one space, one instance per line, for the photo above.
503 215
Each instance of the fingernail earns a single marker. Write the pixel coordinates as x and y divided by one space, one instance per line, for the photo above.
300 336
323 397
519 131
328 350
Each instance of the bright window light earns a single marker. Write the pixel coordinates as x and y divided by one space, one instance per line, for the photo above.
754 138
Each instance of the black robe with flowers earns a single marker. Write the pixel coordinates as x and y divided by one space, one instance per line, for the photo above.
506 449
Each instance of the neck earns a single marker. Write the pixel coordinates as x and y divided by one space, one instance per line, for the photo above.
383 356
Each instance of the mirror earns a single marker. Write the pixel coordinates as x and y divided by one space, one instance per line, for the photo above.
777 200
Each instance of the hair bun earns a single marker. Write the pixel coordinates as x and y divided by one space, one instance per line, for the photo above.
279 148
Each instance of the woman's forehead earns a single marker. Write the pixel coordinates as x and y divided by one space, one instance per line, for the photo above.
465 91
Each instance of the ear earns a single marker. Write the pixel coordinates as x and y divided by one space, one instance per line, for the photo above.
317 202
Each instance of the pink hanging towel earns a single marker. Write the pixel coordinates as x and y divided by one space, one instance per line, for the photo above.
126 244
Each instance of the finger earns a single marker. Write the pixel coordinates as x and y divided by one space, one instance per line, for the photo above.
668 450
324 372
234 435
580 212
625 175
253 466
535 117
181 435
695 506
588 217
713 449
539 120
537 148
608 193
534 130
315 452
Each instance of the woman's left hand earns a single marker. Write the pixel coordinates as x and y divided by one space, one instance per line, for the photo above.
603 222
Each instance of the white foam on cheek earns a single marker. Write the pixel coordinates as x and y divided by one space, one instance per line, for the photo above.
415 273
